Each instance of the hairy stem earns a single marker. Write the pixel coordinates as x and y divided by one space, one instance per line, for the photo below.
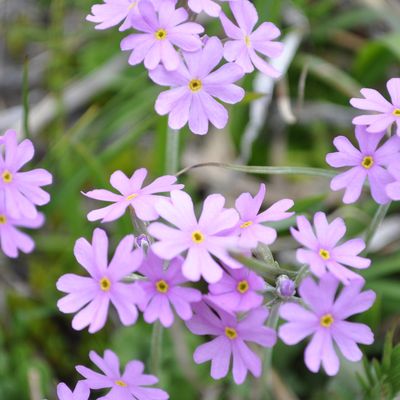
375 223
156 347
172 152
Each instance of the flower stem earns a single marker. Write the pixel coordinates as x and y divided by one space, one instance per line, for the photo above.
156 347
172 151
375 223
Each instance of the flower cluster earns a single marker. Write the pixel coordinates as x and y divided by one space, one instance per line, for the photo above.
20 194
168 41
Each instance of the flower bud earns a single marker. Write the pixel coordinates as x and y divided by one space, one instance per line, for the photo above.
285 286
142 242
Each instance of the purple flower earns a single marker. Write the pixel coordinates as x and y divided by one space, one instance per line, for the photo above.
22 190
194 86
12 239
160 34
93 295
325 319
237 291
81 392
231 337
366 163
200 239
163 289
322 251
387 113
247 41
250 227
132 384
393 188
113 12
141 199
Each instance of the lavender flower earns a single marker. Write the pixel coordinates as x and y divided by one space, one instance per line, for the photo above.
93 295
194 87
367 163
250 227
247 41
132 384
200 239
237 291
164 289
231 337
81 392
22 190
141 199
160 34
386 112
322 251
325 319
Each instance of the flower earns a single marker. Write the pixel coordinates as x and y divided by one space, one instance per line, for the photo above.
81 392
245 42
367 163
210 7
113 12
163 289
231 337
325 319
321 251
200 239
387 113
12 239
160 34
393 188
250 227
132 384
194 86
237 291
92 295
22 190
141 199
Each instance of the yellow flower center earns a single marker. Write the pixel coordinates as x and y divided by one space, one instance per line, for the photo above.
325 254
132 196
195 85
197 237
105 284
242 286
7 176
396 112
161 34
230 333
367 162
247 40
162 286
326 320
3 219
246 224
121 383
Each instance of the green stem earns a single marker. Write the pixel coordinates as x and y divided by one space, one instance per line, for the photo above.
265 170
375 223
156 347
172 152
25 98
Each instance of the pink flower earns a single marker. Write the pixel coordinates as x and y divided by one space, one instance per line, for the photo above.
247 41
160 34
231 337
386 113
163 289
322 251
132 384
250 227
22 190
325 319
237 291
141 199
393 188
81 392
200 239
113 12
194 87
367 163
93 295
12 239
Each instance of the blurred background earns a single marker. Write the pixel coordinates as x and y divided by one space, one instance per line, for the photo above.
69 88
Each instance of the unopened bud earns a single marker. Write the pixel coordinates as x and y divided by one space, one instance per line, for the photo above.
285 286
142 242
